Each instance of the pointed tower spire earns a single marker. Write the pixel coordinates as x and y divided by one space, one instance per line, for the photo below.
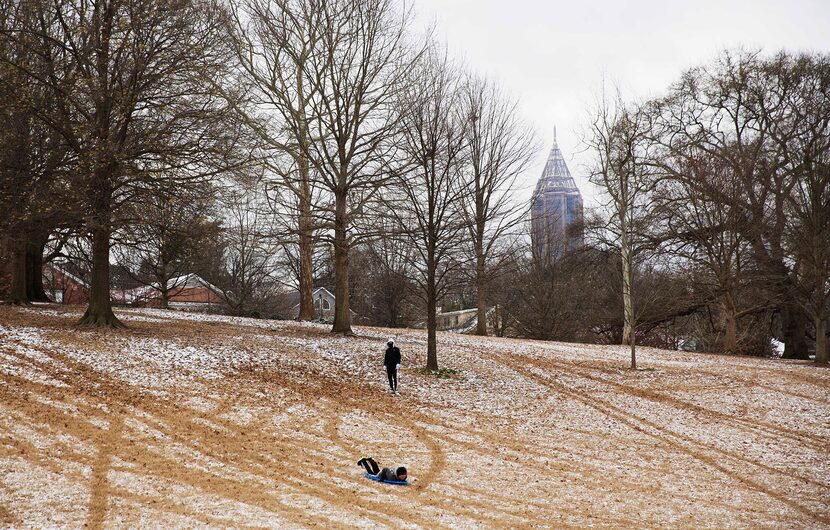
556 175
556 204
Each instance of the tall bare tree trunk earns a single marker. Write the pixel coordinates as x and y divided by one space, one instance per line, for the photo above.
730 340
34 269
30 272
432 321
17 288
306 249
628 304
165 298
162 279
306 246
730 320
481 288
99 313
342 318
794 331
501 322
481 295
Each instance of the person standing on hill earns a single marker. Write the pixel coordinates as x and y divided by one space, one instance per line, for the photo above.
392 361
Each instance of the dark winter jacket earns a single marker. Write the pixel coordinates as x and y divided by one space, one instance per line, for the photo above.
388 473
392 357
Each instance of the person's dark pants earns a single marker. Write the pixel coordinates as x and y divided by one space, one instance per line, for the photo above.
392 373
370 465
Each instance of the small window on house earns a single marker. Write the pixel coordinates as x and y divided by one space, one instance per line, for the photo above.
317 304
326 305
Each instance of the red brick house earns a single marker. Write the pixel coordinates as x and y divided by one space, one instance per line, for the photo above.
63 287
189 292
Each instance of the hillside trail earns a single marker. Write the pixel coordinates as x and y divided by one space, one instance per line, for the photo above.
189 422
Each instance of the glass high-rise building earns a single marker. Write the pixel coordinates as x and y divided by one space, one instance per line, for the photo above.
556 210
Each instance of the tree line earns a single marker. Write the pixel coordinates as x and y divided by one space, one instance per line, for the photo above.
275 145
724 182
256 143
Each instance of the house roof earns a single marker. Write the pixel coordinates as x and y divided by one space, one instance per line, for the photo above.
191 281
459 312
185 281
63 271
294 296
318 290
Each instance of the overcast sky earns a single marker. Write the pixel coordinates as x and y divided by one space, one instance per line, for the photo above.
553 55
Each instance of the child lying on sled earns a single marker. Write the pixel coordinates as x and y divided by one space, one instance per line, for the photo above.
386 474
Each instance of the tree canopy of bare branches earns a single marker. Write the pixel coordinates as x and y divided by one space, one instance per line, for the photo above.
619 139
273 43
432 129
132 107
499 147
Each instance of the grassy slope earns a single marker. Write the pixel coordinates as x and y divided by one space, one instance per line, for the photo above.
187 421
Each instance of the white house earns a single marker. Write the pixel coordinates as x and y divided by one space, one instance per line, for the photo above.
323 304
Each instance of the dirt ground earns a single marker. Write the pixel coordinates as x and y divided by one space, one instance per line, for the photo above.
188 421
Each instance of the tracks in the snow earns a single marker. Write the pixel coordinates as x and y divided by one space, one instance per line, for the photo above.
724 461
274 438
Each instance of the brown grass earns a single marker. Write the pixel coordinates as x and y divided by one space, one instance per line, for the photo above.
527 436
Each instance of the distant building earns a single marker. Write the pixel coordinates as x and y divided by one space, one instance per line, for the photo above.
455 319
556 209
323 306
63 287
189 292
462 321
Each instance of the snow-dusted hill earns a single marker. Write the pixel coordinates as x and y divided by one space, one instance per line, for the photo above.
204 421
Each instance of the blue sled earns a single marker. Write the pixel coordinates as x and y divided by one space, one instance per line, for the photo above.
377 479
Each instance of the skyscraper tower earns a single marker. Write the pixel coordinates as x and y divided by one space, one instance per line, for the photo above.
556 209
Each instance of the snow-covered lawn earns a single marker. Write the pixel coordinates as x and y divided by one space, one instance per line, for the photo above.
188 420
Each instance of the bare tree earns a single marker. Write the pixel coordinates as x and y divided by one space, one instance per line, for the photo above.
499 147
249 250
135 109
273 42
382 287
619 142
800 87
432 135
707 234
35 161
355 71
162 248
733 112
547 299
